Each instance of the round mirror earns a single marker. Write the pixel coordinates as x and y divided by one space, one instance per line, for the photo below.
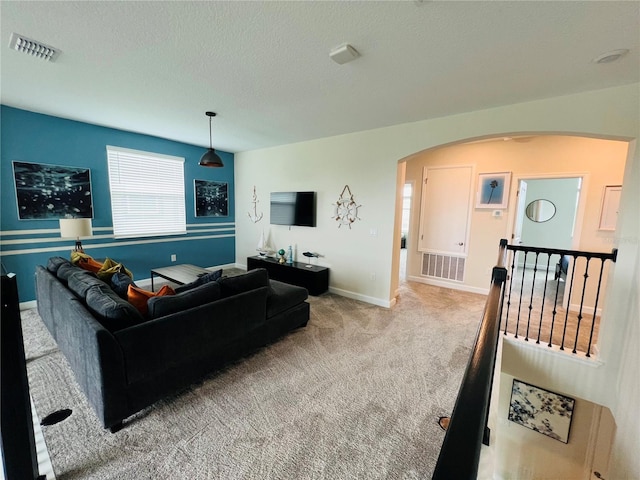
540 210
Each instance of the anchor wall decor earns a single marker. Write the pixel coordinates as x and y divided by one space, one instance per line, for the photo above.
255 216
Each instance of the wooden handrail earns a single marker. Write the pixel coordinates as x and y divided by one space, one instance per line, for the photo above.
467 430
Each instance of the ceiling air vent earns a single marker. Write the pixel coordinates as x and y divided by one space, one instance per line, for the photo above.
32 47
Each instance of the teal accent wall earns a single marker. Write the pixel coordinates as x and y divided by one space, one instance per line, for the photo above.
36 138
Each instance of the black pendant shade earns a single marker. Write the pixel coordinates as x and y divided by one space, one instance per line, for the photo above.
210 157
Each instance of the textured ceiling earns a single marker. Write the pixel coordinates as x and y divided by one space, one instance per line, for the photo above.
264 67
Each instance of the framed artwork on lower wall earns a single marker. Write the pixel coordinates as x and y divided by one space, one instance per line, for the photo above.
46 192
211 198
545 412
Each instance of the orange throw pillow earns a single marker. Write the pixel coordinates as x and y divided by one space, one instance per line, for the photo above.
85 261
139 297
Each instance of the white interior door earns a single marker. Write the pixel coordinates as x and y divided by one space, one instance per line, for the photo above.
444 219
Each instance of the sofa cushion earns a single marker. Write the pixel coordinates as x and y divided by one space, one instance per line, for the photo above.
54 264
166 305
110 310
65 271
120 284
138 297
243 283
284 296
80 281
109 267
206 278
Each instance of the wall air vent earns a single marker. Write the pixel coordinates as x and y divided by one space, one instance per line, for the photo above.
36 49
443 266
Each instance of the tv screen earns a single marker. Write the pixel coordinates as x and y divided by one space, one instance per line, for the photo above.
293 208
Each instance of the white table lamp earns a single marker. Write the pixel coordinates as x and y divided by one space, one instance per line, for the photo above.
75 228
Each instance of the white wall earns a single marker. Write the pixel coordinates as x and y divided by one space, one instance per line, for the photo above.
367 162
601 162
522 453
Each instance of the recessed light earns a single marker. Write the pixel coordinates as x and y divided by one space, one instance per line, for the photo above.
611 56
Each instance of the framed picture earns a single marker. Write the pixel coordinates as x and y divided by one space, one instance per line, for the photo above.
610 207
541 410
212 199
493 190
46 192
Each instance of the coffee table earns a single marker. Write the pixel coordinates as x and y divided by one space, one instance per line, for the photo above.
179 274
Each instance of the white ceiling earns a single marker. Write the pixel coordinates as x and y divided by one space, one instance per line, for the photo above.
264 67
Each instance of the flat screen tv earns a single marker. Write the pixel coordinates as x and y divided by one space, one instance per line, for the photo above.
293 208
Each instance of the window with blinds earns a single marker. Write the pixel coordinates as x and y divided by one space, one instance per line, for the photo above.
147 193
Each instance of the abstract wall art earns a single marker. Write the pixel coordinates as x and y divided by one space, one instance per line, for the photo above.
541 410
46 192
211 198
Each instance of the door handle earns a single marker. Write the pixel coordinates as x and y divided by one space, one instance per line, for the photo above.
461 244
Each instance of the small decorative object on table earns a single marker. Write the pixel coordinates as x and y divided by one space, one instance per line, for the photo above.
290 256
264 248
282 258
310 255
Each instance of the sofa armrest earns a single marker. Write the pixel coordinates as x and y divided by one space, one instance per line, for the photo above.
93 354
194 335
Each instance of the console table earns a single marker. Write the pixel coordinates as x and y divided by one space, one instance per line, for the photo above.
312 277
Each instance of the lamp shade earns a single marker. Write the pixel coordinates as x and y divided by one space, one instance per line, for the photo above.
75 227
211 159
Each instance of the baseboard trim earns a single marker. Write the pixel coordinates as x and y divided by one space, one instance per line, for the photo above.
363 298
574 307
451 285
28 305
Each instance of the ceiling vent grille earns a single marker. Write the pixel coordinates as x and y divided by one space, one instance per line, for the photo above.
34 48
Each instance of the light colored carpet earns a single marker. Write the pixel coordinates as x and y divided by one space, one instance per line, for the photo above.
355 394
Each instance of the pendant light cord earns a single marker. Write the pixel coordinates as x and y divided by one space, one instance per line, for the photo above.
210 144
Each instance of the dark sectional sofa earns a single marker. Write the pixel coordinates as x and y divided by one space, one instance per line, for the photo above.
125 362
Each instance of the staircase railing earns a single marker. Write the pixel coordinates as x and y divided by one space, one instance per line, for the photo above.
467 430
540 305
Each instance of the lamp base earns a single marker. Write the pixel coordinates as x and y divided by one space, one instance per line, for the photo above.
78 247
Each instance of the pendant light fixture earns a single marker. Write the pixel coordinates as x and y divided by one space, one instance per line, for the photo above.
210 157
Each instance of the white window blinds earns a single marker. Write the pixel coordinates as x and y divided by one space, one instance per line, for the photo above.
147 193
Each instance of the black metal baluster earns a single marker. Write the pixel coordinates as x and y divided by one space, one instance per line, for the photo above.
566 315
513 264
595 307
544 295
524 266
584 289
533 286
555 305
575 256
